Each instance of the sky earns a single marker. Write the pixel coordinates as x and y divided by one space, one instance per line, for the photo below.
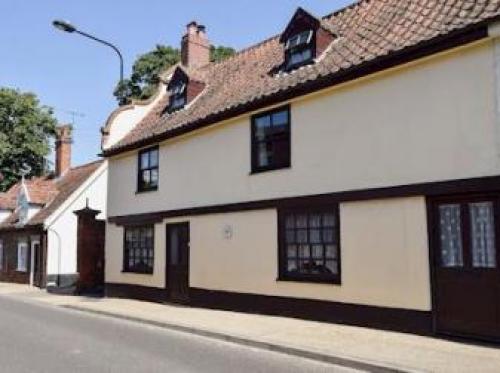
73 74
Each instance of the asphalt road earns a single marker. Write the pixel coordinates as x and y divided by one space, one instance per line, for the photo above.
39 338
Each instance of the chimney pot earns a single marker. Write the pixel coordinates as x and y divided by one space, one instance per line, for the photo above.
63 149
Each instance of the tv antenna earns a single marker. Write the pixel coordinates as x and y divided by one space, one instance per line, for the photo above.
74 114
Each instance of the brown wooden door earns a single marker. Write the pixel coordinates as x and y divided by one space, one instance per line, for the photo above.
466 270
178 262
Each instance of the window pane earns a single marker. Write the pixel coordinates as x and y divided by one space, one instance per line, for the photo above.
317 251
482 235
154 177
314 236
264 154
290 236
291 251
328 235
301 221
280 118
304 251
146 178
290 221
174 247
304 266
153 158
331 251
302 236
332 267
315 220
451 235
262 123
328 220
291 266
144 160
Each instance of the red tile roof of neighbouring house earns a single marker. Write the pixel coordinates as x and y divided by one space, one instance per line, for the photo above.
368 34
47 191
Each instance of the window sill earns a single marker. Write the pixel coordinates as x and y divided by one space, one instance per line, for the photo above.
141 191
137 273
264 170
329 281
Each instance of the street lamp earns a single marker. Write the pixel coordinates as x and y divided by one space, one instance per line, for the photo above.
68 27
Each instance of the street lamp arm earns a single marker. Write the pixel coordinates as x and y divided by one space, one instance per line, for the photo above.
109 45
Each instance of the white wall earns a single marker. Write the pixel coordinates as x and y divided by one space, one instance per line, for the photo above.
4 214
431 121
62 225
123 120
384 255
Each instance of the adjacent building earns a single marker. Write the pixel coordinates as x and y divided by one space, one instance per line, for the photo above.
52 227
345 170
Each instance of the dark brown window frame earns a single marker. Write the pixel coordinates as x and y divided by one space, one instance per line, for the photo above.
311 45
254 143
173 97
140 187
283 274
126 250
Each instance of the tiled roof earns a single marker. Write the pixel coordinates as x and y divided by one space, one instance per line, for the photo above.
366 32
50 192
40 189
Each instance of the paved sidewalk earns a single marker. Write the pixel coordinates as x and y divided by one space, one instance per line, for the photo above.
342 343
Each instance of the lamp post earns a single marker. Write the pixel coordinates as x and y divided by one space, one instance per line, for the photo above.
68 27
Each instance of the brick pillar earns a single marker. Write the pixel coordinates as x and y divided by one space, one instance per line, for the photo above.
90 251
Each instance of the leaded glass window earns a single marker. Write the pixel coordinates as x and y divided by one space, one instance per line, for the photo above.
451 235
139 249
482 234
311 245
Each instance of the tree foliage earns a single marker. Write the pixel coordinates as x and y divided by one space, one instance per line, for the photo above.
146 70
26 128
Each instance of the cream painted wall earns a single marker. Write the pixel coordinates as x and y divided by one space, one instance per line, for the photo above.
62 224
4 214
433 120
114 259
384 255
127 119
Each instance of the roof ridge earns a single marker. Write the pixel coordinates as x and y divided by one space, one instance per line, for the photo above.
343 9
86 164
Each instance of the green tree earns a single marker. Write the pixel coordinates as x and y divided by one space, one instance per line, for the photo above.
220 53
146 70
26 128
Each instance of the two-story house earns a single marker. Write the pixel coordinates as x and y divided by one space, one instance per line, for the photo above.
346 170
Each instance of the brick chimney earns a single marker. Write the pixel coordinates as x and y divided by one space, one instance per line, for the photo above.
63 149
195 46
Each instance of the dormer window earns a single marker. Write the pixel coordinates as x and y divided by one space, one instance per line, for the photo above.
178 96
299 49
304 40
183 89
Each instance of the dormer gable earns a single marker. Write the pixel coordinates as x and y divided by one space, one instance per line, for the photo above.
183 89
304 39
